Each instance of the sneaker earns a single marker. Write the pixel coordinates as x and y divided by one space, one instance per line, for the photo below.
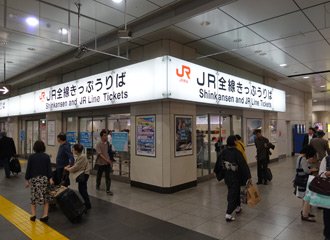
109 192
238 210
229 218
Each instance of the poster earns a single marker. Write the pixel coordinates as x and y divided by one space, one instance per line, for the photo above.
251 125
51 133
71 137
183 138
85 139
273 130
120 141
146 135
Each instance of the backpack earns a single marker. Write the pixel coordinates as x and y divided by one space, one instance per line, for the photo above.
219 169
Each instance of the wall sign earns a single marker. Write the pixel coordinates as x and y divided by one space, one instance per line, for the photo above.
183 135
159 78
120 141
146 135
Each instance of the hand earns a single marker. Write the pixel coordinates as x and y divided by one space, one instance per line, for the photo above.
314 170
27 184
51 181
327 173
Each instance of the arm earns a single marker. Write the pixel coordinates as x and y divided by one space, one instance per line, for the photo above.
68 153
49 171
323 168
327 147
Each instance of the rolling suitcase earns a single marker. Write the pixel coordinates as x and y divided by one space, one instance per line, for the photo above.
14 166
71 205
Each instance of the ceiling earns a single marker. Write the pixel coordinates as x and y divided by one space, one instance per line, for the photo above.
256 35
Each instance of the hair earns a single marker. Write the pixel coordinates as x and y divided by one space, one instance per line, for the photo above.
231 141
103 131
238 137
320 134
313 129
61 136
39 146
309 151
256 131
78 147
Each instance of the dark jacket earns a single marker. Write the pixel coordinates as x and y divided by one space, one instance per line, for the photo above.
64 156
7 147
234 157
263 145
38 165
306 139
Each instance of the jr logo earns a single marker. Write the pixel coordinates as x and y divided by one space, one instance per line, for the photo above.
42 96
184 70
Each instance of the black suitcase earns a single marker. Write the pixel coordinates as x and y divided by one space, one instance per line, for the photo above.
14 165
71 205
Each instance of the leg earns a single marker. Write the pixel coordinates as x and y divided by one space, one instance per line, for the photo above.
232 198
46 208
107 177
33 210
326 223
99 176
264 167
259 171
6 167
82 186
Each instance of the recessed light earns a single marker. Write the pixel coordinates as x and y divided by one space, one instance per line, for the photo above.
32 21
63 31
3 42
237 40
31 49
306 77
205 23
117 1
263 54
314 100
283 65
322 86
257 51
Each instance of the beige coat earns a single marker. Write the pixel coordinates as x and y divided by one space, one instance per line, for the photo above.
81 165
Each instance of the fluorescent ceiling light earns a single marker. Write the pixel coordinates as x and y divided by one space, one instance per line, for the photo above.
323 86
117 1
283 65
306 77
32 21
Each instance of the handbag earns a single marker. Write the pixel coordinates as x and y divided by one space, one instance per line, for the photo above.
315 199
301 178
320 185
253 195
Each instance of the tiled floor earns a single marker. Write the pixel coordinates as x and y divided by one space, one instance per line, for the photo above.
199 209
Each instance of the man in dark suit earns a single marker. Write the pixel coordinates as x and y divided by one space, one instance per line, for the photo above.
7 151
309 136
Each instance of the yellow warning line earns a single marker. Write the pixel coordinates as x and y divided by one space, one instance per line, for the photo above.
21 219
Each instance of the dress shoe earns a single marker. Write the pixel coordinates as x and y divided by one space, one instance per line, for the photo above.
33 218
44 219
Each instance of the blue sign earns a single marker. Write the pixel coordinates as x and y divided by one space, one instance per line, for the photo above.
22 135
120 141
85 139
71 137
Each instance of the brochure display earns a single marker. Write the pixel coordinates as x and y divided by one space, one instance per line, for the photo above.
183 135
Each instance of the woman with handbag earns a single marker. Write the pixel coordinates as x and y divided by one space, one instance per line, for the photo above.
325 172
306 156
80 172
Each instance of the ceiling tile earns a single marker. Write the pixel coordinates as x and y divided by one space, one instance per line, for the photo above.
209 24
252 11
54 14
238 38
319 15
258 50
205 47
308 3
283 27
162 2
29 7
300 39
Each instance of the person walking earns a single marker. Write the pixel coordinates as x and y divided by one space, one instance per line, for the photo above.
325 172
309 136
306 156
263 151
38 175
237 173
240 146
103 162
64 157
80 166
7 151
